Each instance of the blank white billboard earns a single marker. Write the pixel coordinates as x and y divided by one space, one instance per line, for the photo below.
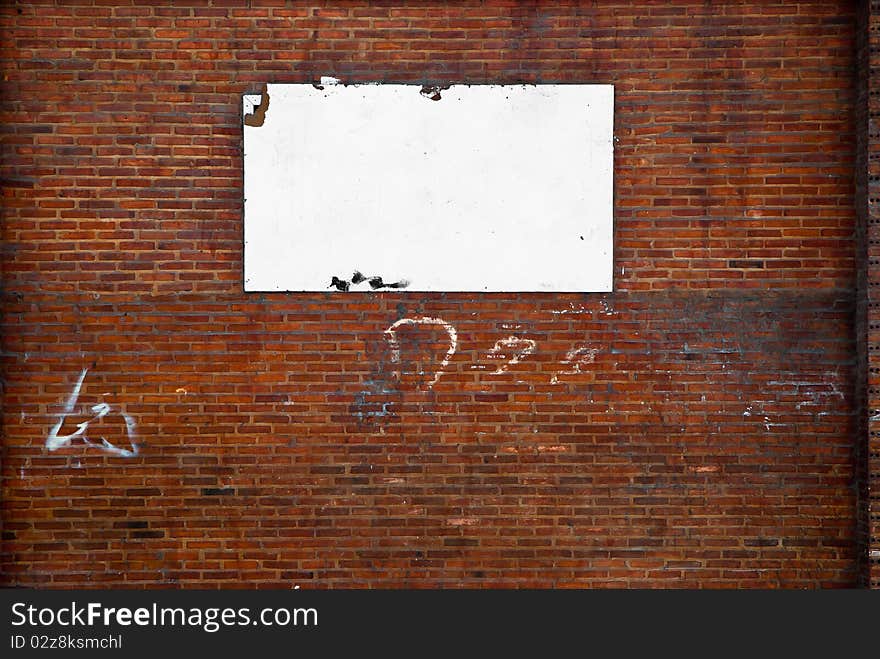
466 188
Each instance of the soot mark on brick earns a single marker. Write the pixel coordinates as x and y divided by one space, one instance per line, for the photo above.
131 525
374 281
217 491
148 534
373 406
744 264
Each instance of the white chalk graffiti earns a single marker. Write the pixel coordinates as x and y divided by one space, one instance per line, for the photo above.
55 441
575 358
391 335
514 349
522 348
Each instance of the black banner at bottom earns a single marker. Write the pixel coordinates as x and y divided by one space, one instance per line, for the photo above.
405 622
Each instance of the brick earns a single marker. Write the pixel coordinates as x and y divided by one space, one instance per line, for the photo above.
708 442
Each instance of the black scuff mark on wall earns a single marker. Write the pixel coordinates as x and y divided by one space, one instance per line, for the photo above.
374 281
339 284
433 91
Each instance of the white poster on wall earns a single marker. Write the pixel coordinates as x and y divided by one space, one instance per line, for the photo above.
465 188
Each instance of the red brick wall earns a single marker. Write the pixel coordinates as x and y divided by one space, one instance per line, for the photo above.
697 427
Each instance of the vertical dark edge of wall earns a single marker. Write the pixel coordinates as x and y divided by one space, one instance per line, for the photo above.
861 319
868 223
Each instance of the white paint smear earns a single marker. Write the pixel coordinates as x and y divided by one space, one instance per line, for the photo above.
575 358
521 348
54 441
489 188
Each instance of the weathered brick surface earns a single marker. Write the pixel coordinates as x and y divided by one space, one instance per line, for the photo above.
696 427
